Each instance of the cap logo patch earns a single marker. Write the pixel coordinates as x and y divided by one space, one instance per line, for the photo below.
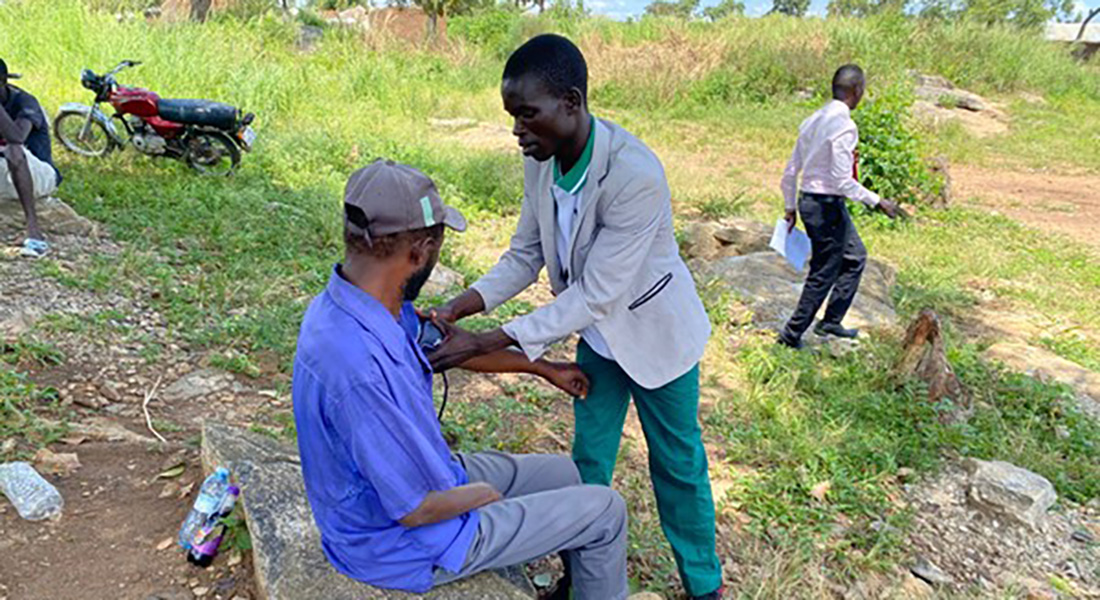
429 215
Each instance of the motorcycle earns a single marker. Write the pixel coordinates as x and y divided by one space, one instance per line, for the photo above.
208 136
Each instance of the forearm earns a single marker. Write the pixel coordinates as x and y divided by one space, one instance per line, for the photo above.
471 346
467 303
505 361
442 506
13 131
7 128
855 191
789 185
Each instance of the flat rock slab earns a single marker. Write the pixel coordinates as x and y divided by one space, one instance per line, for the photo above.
771 288
1009 491
55 216
199 384
710 240
286 543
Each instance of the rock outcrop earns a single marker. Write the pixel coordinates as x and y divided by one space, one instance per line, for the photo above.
286 544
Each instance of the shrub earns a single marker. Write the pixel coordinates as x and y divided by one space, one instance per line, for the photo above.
498 31
890 152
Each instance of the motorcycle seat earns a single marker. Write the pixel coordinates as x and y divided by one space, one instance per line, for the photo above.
199 112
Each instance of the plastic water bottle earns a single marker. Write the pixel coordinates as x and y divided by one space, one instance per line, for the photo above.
211 495
34 498
204 547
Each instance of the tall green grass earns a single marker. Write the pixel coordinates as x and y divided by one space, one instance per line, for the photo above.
760 60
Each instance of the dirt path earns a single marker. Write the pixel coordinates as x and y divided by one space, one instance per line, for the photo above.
1056 203
115 538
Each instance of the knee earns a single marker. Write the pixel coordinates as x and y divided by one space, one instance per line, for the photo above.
567 471
612 505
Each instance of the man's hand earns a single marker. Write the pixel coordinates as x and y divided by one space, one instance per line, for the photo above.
460 345
445 313
792 219
567 377
889 207
465 304
442 506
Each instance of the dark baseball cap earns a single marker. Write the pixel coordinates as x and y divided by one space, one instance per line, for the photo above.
4 74
385 197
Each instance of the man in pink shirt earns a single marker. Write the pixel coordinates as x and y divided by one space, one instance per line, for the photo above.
825 155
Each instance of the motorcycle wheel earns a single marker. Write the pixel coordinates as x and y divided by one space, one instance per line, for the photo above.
212 153
70 132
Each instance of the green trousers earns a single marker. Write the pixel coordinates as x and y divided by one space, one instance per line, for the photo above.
677 458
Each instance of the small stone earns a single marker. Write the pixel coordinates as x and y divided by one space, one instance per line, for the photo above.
58 463
906 474
109 391
165 544
200 591
87 402
928 571
1082 536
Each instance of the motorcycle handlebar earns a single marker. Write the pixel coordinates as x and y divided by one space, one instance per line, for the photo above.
124 65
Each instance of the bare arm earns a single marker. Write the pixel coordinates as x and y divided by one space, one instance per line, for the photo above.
441 506
465 304
14 132
567 377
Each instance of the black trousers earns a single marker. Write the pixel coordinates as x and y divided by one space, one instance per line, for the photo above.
836 263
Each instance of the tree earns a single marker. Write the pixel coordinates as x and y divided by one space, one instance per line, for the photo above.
1022 13
199 9
794 8
864 8
433 9
680 9
725 8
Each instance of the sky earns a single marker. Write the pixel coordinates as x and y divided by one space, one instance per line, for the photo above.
622 9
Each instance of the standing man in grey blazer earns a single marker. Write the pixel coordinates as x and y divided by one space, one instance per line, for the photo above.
597 215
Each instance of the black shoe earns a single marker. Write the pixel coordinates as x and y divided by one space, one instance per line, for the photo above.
788 340
835 329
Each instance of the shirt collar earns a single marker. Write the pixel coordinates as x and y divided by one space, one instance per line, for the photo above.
368 311
840 107
573 181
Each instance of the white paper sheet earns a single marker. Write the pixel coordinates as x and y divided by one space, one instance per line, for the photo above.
794 246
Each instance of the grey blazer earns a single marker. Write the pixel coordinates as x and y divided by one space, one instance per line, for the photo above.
625 275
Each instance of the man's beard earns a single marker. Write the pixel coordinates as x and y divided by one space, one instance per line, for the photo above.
416 281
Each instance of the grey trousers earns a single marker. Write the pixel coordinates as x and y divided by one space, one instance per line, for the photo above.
836 264
546 510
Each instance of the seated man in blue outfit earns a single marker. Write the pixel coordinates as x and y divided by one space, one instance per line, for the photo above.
395 507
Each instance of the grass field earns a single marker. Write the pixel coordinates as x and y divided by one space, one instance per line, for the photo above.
232 263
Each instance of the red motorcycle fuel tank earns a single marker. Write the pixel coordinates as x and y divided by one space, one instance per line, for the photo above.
143 103
135 101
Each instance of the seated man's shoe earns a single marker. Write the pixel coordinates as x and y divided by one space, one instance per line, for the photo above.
835 329
560 591
33 248
788 340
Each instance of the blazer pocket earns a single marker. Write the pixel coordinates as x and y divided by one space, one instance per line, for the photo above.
657 288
